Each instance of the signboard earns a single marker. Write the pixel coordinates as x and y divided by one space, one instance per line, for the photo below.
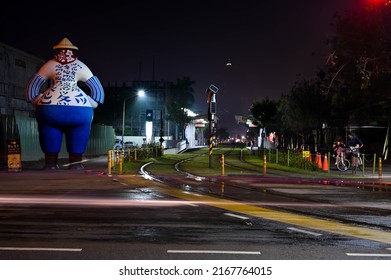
306 154
149 115
14 155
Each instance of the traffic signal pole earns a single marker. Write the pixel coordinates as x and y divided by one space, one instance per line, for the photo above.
211 136
211 93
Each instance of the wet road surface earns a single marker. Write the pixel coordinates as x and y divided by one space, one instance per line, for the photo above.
129 217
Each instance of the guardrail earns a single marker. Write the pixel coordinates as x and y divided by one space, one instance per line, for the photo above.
371 163
116 158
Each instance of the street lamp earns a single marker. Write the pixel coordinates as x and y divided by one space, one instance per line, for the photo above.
139 93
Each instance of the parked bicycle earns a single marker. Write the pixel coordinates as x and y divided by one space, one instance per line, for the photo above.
355 158
347 159
354 143
341 162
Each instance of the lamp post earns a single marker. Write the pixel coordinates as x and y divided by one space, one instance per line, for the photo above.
139 93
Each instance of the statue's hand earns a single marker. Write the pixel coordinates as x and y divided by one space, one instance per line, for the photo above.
93 103
36 100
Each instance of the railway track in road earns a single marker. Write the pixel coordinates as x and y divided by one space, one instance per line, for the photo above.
338 204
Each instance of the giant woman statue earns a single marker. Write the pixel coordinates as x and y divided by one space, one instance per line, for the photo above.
64 108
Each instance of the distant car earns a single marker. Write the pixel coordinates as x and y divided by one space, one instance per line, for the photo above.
129 145
118 144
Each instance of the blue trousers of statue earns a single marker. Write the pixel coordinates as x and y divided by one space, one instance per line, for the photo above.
56 120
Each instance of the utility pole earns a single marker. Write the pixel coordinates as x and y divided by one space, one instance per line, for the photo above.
161 139
211 93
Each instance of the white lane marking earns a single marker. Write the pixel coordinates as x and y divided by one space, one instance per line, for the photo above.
40 249
192 204
213 252
305 231
195 194
236 216
45 200
69 164
367 255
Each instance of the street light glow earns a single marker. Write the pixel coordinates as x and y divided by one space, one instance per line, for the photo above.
140 93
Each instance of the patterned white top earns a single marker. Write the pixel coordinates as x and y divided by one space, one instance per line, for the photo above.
65 90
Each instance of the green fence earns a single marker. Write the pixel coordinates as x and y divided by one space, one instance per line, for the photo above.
25 129
370 163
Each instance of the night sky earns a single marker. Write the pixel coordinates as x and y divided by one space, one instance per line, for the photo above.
270 44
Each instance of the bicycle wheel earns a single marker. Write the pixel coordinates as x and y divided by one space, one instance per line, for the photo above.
343 165
358 162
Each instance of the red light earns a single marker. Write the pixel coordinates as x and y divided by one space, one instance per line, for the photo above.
377 2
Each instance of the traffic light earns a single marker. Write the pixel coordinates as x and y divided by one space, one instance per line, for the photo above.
213 107
211 93
149 115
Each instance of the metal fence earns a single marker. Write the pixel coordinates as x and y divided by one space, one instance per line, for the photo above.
25 130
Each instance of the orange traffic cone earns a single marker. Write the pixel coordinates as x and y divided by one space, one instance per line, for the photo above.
325 163
319 160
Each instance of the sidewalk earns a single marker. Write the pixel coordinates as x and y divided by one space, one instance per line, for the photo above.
93 164
33 179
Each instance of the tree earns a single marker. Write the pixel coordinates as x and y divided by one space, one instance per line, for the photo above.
264 112
360 65
305 109
180 100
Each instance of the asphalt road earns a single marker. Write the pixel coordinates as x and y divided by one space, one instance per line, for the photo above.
89 215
